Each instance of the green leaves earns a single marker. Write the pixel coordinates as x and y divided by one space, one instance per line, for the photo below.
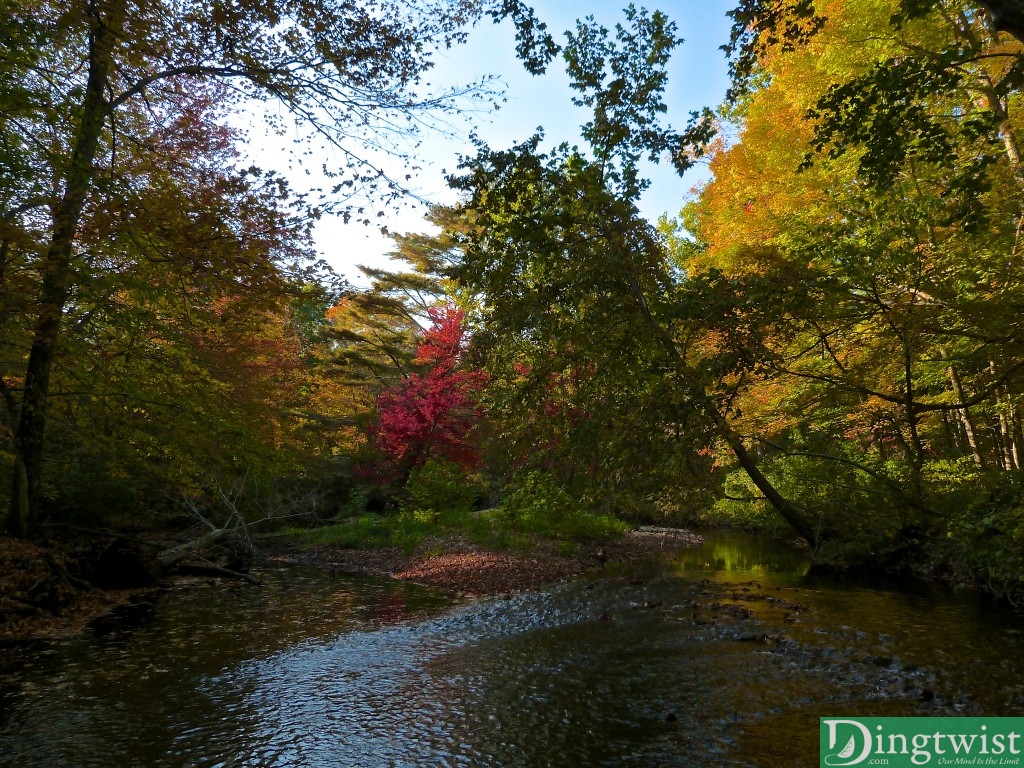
534 45
622 80
893 113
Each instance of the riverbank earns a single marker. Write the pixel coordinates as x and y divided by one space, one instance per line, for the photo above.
42 599
731 659
456 565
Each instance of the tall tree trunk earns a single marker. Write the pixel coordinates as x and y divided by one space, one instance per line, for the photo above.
23 517
1006 437
1009 458
947 431
965 418
782 505
1018 434
786 509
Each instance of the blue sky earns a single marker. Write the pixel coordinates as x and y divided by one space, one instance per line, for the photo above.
697 78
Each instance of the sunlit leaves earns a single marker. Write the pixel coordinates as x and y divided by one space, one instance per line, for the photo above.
432 414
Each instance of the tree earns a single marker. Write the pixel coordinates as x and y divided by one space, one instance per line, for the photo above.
863 250
572 276
89 84
432 415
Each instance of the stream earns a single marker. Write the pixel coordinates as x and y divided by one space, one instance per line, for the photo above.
723 655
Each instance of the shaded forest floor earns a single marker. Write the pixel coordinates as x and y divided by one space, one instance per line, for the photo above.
42 598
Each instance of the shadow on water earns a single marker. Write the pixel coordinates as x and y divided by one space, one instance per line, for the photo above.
123 620
724 655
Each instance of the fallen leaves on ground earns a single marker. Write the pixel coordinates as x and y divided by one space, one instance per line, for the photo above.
456 565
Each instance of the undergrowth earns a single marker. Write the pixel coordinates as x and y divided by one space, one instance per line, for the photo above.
438 502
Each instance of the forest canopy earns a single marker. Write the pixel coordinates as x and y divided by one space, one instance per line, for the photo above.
826 340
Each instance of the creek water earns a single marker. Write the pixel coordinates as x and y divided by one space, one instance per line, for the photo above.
724 655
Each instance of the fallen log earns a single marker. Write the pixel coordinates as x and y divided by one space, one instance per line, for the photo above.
203 569
172 556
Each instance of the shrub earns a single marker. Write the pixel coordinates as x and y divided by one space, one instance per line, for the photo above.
988 538
538 505
439 488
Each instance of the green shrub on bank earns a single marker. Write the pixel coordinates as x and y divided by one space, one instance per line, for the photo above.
741 506
439 501
986 539
536 504
439 488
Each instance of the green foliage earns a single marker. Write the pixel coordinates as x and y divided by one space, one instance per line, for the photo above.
354 504
987 537
363 531
852 269
159 294
741 506
536 504
622 82
438 506
439 487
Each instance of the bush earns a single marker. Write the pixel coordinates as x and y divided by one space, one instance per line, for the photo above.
439 488
987 538
538 505
741 507
439 499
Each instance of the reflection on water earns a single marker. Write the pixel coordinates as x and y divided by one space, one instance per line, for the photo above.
728 553
723 656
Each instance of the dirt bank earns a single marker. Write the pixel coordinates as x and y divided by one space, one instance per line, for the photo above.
462 567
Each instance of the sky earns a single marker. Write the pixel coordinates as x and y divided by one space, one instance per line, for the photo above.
697 78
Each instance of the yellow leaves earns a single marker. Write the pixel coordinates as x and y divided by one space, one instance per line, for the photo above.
756 185
758 188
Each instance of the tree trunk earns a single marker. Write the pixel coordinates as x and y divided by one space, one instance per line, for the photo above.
1006 436
947 431
168 558
1009 459
1007 16
997 443
965 418
1018 437
23 517
783 506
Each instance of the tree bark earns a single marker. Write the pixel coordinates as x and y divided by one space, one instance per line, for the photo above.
1007 15
782 505
965 418
1018 437
1005 426
23 517
215 570
168 558
788 511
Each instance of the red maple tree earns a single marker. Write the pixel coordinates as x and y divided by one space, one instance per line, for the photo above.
432 414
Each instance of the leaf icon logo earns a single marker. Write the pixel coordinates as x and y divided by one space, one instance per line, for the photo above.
848 749
846 756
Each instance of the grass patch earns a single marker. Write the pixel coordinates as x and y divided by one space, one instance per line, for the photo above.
438 504
494 529
362 532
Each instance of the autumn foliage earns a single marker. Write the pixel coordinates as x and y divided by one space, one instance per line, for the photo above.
432 414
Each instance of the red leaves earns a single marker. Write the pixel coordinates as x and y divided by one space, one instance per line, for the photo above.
432 415
444 340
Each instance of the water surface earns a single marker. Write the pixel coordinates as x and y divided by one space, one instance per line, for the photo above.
723 656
